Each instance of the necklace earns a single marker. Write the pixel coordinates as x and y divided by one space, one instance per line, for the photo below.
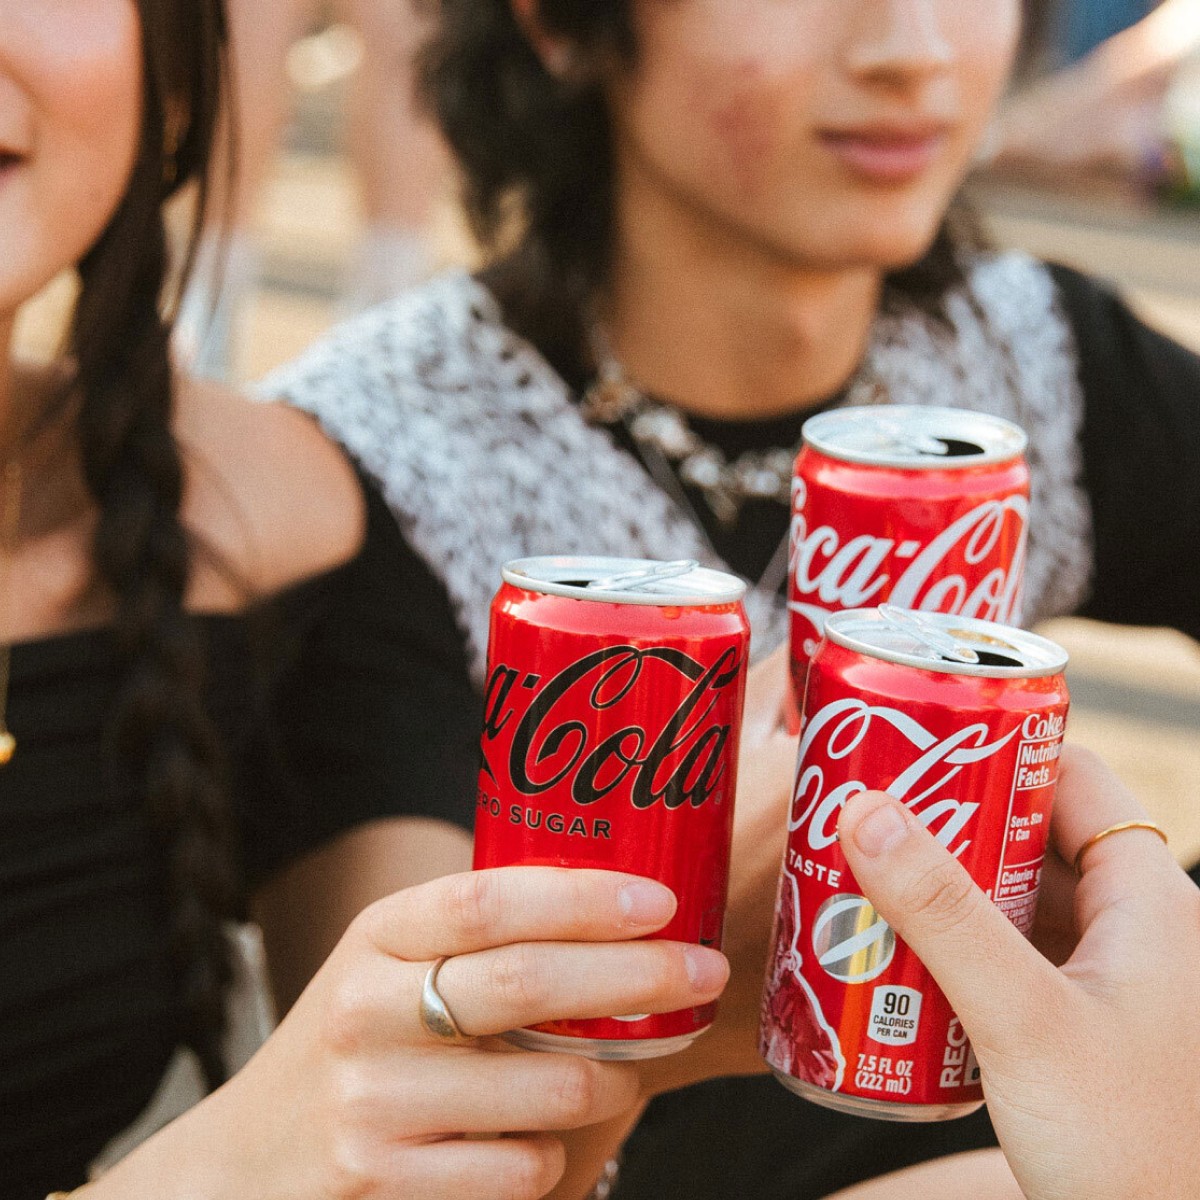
10 518
613 398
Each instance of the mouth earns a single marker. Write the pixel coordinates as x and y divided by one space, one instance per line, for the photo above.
887 153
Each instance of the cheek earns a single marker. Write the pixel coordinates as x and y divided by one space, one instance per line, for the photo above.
722 97
88 101
986 38
743 119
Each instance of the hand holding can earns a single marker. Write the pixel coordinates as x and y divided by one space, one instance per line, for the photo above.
1089 1069
612 720
962 720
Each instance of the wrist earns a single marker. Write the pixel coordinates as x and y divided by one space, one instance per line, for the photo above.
196 1157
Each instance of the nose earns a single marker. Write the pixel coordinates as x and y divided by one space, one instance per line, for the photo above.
900 39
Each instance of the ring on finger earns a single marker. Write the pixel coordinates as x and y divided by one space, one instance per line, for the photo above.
1120 827
435 1013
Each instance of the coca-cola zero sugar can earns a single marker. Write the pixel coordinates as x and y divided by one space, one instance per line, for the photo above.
962 720
612 717
923 508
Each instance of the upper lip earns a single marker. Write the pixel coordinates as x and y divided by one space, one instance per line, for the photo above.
907 130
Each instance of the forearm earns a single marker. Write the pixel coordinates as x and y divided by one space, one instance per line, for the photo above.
588 1152
193 1158
306 907
1159 42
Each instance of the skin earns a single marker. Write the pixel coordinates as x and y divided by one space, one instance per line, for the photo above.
70 88
734 184
1087 1065
1106 112
374 1108
747 269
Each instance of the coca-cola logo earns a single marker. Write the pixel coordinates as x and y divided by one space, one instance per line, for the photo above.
554 744
958 571
842 728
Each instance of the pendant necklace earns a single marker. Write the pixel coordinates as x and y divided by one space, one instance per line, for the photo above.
675 455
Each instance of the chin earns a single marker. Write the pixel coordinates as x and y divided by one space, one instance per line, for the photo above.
883 243
872 231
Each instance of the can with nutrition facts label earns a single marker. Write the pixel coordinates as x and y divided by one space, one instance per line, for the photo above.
962 720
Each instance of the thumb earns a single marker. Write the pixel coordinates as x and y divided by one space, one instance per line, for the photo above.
991 975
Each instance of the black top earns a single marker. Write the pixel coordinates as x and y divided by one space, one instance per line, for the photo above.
334 705
1141 452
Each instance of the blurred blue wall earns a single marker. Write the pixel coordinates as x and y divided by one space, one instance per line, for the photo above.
1083 24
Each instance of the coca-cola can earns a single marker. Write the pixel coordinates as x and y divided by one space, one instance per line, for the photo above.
612 717
962 720
923 508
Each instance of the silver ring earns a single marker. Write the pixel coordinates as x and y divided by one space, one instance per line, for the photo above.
436 1015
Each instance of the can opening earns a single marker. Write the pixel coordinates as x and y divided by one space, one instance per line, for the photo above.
954 644
989 658
643 577
914 437
681 583
958 449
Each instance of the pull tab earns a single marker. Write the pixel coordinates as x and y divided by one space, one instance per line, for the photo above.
634 581
915 626
914 439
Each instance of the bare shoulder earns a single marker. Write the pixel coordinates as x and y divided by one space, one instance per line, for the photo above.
267 490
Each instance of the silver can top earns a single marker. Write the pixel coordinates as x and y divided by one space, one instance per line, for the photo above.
683 583
945 643
915 437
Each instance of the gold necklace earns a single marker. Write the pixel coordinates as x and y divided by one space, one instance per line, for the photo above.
9 521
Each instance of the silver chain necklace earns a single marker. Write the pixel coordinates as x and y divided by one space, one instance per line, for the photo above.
614 399
662 430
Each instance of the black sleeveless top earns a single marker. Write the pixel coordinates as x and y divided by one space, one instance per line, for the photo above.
321 696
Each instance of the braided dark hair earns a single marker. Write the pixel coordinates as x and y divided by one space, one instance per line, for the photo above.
161 737
538 172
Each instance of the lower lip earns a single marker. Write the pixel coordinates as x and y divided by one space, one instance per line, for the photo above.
885 160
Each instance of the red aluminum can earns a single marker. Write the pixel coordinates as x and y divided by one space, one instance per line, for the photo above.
963 721
612 718
924 508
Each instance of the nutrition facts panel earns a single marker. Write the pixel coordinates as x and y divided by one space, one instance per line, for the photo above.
1025 830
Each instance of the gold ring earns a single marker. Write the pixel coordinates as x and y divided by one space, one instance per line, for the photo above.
435 1013
1119 828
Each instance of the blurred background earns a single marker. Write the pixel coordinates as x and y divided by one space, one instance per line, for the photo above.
1096 164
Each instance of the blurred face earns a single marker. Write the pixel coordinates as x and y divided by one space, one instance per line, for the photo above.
70 112
828 133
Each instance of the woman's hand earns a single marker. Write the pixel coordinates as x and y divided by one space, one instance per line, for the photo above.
353 1097
1090 1069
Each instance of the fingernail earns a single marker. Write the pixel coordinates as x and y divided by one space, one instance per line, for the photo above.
646 902
706 969
878 832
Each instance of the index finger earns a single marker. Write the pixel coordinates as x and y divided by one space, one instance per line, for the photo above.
477 910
